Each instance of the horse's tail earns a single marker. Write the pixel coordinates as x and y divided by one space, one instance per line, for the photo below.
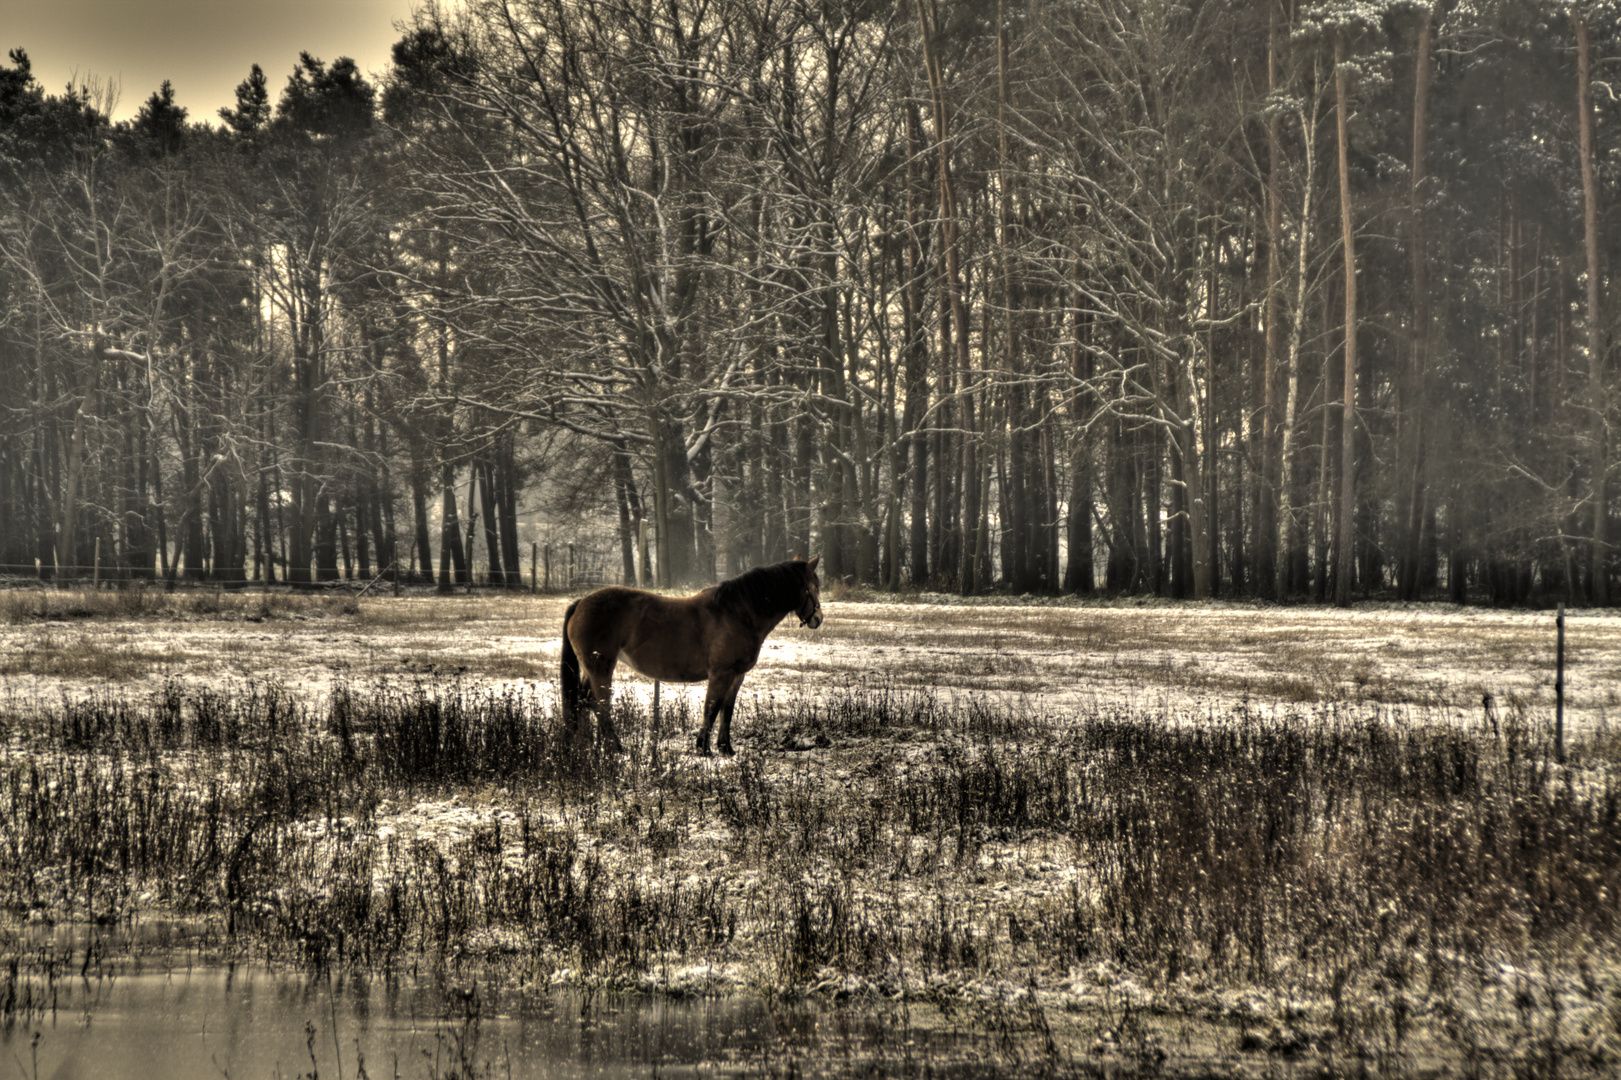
569 678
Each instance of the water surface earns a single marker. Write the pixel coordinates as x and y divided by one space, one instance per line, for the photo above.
251 1021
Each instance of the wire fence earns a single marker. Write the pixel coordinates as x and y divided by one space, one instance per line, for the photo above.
550 569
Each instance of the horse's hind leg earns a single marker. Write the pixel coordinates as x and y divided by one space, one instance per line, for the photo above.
711 706
606 732
601 681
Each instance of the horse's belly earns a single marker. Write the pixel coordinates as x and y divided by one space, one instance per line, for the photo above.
666 669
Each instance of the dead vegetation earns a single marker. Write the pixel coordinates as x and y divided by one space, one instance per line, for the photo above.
48 653
1321 884
1186 840
23 606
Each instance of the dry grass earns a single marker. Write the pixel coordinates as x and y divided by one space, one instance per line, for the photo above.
1421 657
50 654
1207 892
446 613
1430 657
33 605
498 667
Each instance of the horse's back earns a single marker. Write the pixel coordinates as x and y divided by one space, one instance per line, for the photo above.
659 637
610 615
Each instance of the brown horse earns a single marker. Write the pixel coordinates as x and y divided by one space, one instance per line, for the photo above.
715 635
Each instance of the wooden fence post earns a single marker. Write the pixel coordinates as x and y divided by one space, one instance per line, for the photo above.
641 551
1559 689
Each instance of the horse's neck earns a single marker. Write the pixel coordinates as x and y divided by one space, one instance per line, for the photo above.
769 618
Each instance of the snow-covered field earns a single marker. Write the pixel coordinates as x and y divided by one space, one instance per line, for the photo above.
1440 658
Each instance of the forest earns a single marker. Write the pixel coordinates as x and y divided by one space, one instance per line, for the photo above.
1189 298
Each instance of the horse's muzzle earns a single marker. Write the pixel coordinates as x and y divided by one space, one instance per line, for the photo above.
813 620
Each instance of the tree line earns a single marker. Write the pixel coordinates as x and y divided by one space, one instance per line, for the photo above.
1246 298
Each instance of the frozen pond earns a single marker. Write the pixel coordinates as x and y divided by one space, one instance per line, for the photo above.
249 1020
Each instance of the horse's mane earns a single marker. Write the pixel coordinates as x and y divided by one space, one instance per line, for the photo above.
765 589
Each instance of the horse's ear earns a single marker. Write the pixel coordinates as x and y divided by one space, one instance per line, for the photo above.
811 566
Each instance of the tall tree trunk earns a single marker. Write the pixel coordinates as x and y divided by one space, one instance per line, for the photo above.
326 539
677 510
490 509
1179 550
1599 590
1120 492
309 427
895 442
942 521
381 490
838 497
267 550
627 527
1292 479
917 359
165 566
452 556
363 533
137 530
44 452
1457 555
803 432
67 509
1020 565
1079 573
471 549
342 514
421 538
1270 485
958 301
1346 564
1410 562
506 503
192 514
225 511
625 481
1151 513
1051 440
1323 543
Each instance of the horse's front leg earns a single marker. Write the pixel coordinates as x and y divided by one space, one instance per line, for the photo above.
728 705
713 697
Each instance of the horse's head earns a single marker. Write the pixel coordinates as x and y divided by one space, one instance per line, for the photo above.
810 604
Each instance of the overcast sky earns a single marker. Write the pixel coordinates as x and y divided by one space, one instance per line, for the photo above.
203 47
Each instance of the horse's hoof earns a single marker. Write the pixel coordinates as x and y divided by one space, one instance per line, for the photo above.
725 748
702 749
